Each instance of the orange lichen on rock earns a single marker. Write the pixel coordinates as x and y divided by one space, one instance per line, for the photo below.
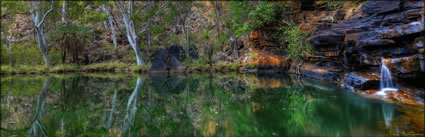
262 58
254 35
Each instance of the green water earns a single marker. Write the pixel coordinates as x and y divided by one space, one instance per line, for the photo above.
194 105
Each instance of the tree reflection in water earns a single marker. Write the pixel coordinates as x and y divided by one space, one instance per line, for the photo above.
36 126
132 106
193 105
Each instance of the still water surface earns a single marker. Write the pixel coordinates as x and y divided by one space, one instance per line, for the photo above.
194 105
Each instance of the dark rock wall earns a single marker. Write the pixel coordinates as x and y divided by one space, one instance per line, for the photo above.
351 43
382 31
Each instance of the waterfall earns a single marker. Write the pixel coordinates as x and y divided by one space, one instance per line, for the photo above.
386 81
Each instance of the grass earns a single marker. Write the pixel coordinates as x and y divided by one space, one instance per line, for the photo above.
63 68
106 66
143 68
230 66
29 69
103 67
198 66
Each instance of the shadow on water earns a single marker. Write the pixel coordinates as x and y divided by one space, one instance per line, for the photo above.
193 105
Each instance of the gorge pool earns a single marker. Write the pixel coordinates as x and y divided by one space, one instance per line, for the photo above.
196 105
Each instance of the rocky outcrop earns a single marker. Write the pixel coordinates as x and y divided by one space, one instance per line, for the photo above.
381 29
356 80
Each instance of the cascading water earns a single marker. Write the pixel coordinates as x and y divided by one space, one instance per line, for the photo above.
386 81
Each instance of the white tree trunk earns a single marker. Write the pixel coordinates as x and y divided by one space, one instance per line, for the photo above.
111 23
63 12
39 30
9 49
131 32
43 47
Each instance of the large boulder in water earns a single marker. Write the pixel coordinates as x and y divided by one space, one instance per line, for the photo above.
357 80
164 60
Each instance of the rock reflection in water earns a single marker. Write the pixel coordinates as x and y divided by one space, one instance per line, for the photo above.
193 105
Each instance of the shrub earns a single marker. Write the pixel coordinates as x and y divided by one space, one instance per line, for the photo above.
296 42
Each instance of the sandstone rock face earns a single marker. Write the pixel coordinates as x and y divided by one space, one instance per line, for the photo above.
383 29
380 7
409 64
314 71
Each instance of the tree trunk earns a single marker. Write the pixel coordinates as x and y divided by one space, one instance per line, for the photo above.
187 46
131 33
38 19
64 7
139 56
218 21
149 45
111 23
9 49
43 47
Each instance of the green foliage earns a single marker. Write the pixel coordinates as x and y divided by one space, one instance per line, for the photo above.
94 16
239 19
295 40
248 17
334 4
82 31
27 54
265 12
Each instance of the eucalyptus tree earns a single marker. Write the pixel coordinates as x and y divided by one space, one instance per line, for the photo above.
184 9
9 9
107 10
132 37
39 17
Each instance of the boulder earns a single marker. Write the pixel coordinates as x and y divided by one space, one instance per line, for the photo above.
314 71
164 60
174 63
380 7
362 81
175 51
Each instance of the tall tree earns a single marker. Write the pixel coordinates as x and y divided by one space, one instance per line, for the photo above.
39 18
184 9
111 25
9 9
131 30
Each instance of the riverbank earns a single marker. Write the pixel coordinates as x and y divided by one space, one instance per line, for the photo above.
120 67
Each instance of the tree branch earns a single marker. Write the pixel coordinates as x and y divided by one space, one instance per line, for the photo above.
47 13
31 11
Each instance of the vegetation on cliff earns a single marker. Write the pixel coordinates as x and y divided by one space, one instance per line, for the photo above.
83 32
